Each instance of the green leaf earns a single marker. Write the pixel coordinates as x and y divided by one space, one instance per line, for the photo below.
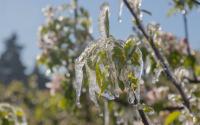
174 58
118 56
98 75
101 80
129 47
107 25
171 12
197 70
133 80
121 85
135 58
189 61
147 108
197 93
172 117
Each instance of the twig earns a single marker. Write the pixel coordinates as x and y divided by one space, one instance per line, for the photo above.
141 112
171 109
75 16
159 56
187 41
193 81
196 1
143 117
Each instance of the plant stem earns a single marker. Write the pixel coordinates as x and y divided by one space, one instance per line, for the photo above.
187 41
141 112
159 56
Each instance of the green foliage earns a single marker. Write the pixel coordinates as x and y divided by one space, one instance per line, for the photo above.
172 117
10 115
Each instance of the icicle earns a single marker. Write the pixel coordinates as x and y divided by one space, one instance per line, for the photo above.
79 78
93 86
138 74
140 68
104 21
106 113
147 65
120 11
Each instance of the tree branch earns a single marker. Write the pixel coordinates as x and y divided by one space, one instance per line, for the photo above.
193 81
185 21
159 56
140 111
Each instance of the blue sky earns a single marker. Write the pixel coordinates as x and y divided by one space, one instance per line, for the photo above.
25 16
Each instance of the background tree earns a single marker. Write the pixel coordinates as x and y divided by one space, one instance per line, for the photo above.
11 66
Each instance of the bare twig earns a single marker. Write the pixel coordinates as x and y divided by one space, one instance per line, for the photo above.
187 41
143 117
171 109
192 81
196 1
140 111
159 56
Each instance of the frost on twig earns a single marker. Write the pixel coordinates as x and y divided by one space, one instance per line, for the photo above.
135 5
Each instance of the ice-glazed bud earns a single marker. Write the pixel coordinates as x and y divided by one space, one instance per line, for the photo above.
104 20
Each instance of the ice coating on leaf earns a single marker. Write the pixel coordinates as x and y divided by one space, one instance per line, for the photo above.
79 79
93 87
181 73
147 65
139 69
120 11
103 20
135 68
157 74
106 66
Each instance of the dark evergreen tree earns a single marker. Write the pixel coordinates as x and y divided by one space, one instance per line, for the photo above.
11 66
